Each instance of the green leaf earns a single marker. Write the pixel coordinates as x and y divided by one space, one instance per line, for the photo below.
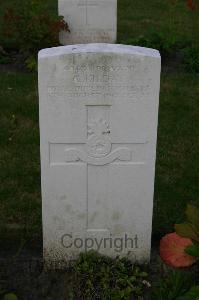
187 230
192 214
193 294
193 250
10 297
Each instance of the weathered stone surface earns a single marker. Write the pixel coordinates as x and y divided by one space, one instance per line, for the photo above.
98 127
90 21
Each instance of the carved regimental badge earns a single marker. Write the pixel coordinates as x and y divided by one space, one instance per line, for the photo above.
98 150
99 143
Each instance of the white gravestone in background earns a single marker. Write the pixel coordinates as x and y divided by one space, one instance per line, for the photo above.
90 21
98 127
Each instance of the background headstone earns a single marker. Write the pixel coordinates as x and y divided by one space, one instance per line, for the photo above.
90 21
98 127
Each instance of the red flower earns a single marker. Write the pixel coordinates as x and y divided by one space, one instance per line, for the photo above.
190 4
172 251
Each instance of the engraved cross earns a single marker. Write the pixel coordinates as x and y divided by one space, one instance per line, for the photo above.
87 4
97 153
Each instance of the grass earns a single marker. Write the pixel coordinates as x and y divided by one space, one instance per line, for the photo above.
170 17
177 159
177 173
19 147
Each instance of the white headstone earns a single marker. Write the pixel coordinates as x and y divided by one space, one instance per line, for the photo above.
90 21
98 127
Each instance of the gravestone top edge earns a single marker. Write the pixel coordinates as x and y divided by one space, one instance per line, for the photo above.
98 48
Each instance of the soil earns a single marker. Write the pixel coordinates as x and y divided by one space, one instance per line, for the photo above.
25 275
13 62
